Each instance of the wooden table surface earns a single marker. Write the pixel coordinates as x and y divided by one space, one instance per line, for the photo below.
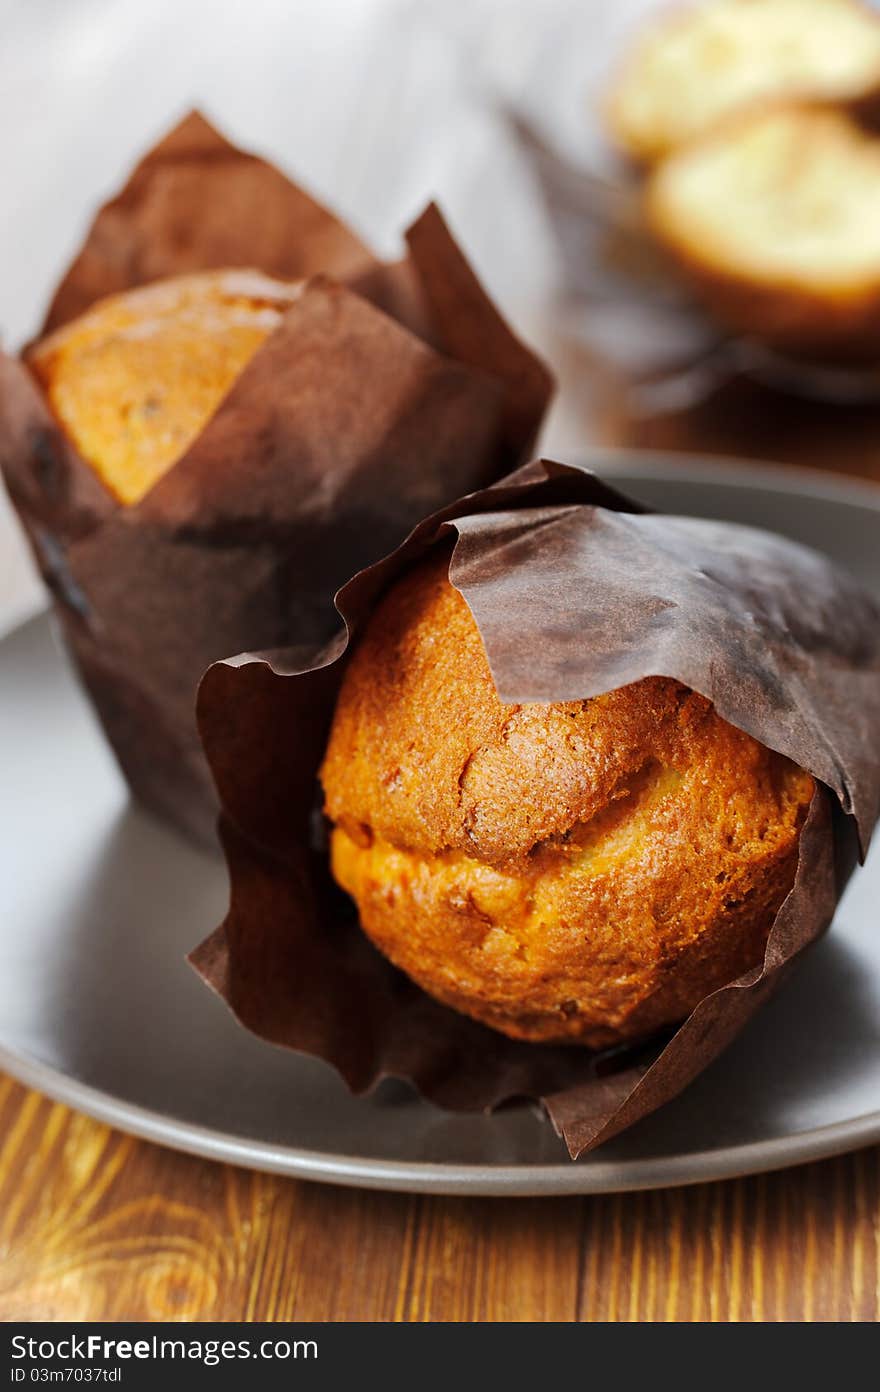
97 1225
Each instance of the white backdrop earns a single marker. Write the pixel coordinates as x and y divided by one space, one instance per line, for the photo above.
375 105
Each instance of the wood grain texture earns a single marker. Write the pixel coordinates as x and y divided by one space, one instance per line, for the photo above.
97 1225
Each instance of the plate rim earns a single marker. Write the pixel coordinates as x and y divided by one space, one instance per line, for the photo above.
736 472
566 1177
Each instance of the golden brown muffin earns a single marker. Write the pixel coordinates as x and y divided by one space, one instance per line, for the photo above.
694 64
136 378
579 872
776 218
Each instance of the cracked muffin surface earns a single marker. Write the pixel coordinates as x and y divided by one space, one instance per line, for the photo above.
575 872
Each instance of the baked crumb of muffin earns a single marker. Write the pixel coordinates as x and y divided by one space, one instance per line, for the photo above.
136 378
580 872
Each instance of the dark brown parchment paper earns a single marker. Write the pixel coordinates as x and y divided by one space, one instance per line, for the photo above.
576 591
385 391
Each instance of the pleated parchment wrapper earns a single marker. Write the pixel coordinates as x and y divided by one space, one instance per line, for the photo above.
383 394
576 592
646 365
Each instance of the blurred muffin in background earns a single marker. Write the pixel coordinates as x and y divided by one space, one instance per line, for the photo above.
775 217
691 66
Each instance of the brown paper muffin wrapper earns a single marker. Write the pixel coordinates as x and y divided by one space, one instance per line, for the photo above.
576 592
383 393
653 369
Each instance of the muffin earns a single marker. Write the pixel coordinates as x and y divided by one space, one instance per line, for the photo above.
775 218
135 379
580 872
696 64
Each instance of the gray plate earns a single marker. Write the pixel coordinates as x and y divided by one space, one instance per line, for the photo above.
98 905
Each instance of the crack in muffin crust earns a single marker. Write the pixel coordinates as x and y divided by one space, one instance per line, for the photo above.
582 872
